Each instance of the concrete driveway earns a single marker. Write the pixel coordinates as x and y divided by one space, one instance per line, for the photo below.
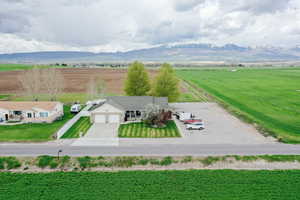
99 130
99 135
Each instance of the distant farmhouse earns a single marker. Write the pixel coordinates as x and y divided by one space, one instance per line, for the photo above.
118 109
30 112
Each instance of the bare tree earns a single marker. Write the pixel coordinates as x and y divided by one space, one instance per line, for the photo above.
31 83
52 82
96 88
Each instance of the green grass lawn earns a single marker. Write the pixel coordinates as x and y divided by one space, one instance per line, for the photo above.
141 130
267 97
193 184
82 125
64 98
33 132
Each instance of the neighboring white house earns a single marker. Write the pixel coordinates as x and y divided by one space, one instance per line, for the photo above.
117 109
30 111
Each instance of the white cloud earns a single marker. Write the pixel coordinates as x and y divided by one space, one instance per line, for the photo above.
110 25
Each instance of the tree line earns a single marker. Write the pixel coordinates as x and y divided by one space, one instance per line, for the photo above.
165 84
50 82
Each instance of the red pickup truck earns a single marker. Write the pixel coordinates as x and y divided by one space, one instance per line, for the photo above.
190 121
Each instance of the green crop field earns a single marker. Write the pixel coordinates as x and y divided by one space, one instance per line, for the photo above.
141 130
194 184
33 132
14 67
267 97
82 125
4 96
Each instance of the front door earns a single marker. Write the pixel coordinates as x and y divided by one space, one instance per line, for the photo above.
6 117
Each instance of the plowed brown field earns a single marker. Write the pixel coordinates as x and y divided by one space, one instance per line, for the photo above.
76 80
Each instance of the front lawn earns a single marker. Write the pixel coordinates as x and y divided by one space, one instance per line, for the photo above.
82 125
33 132
141 130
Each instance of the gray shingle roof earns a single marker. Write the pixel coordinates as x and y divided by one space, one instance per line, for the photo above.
136 102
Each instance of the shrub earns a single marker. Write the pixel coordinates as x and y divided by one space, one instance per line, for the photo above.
64 160
245 158
124 161
154 161
9 163
166 161
12 163
101 158
143 161
44 161
53 164
2 161
187 159
210 160
85 162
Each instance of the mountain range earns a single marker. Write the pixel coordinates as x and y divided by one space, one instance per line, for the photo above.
179 52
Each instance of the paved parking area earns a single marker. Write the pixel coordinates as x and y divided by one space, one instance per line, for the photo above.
220 126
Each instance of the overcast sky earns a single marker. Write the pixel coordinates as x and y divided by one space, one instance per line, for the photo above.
111 25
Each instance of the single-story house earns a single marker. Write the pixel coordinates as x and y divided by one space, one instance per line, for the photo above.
118 109
30 111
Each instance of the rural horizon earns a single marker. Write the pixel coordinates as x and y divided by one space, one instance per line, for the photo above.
113 99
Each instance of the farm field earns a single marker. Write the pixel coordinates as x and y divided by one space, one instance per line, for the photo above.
14 67
4 96
141 130
76 80
267 97
82 125
33 132
193 184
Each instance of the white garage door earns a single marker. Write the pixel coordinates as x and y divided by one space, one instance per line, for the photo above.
113 118
100 118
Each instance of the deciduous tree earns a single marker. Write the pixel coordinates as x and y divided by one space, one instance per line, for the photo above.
166 83
52 82
31 83
137 82
96 88
37 81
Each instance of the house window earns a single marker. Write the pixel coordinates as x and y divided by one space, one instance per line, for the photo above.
132 114
43 114
29 115
138 114
17 112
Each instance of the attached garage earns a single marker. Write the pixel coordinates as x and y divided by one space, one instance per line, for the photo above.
100 118
107 114
114 118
